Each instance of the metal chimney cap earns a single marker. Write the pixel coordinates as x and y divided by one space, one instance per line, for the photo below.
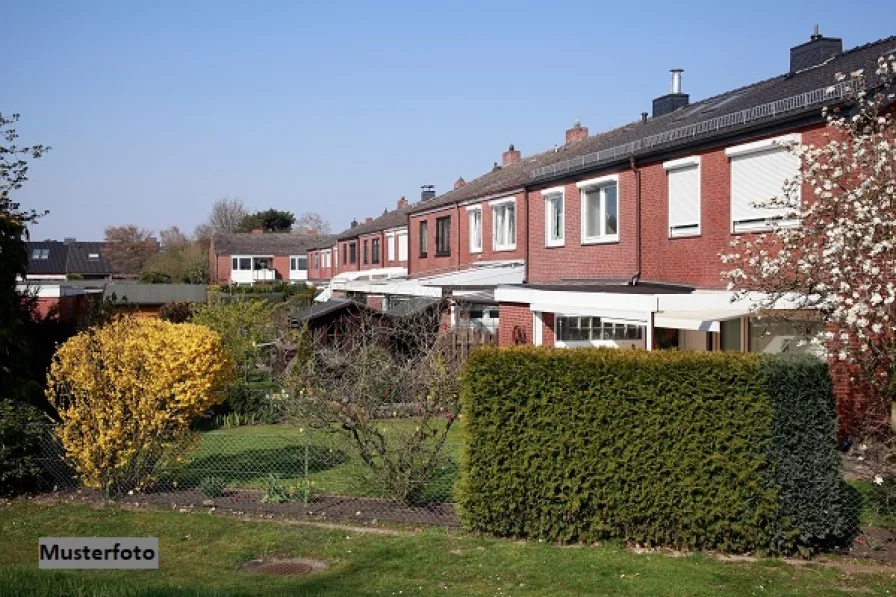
676 80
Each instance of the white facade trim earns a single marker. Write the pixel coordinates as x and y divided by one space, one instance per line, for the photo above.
691 160
762 145
596 182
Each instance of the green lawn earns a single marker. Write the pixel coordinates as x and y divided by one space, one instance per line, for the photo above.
200 555
246 456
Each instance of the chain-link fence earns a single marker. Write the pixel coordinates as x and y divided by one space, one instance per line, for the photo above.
287 470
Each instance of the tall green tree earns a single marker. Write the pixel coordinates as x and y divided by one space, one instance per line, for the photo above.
270 220
14 221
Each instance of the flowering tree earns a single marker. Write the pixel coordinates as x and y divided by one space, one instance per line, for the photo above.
127 391
841 260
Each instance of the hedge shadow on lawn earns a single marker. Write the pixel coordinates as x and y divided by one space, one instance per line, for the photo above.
255 464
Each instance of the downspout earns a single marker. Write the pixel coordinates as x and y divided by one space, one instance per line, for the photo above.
636 277
457 234
526 235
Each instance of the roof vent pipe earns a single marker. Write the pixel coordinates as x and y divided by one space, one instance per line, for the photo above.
676 80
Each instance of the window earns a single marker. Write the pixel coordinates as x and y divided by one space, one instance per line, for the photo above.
365 252
352 253
504 225
241 263
344 254
771 335
683 181
390 246
759 172
600 210
730 332
375 247
326 257
40 254
424 238
403 246
299 263
475 215
443 236
593 329
553 217
261 263
316 261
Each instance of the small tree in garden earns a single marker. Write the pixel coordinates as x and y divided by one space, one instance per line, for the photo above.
841 260
374 368
243 324
175 312
127 392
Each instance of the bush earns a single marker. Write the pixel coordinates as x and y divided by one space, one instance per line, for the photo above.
19 447
690 450
213 487
127 392
176 312
153 277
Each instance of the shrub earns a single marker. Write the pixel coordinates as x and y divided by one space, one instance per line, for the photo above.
691 450
175 312
19 447
213 487
127 392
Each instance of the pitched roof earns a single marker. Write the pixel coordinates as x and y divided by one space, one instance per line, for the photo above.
80 260
319 310
54 262
768 102
271 243
391 219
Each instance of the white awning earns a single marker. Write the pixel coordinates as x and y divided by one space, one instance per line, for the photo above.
702 321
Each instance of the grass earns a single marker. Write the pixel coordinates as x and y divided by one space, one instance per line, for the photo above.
247 456
200 555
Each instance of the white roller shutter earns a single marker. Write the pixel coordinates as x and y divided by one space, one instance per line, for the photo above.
757 177
684 200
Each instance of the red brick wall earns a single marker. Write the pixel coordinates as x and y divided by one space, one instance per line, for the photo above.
319 272
223 270
574 260
547 329
460 239
281 266
693 260
375 301
348 266
514 316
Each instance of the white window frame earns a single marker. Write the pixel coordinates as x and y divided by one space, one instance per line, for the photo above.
670 167
500 204
294 260
609 343
470 210
760 224
402 245
390 246
550 197
596 184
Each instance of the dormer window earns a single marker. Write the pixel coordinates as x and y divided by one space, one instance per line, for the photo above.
40 254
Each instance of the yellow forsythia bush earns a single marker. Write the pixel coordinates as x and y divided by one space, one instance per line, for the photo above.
127 392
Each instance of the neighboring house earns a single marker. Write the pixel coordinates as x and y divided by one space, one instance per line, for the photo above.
260 258
617 235
55 260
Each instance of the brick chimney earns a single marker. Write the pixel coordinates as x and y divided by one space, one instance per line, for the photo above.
368 220
311 232
257 231
511 156
402 203
576 133
459 182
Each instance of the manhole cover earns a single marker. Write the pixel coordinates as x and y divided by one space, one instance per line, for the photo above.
288 567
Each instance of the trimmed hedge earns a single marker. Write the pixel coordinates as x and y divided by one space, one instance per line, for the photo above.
692 450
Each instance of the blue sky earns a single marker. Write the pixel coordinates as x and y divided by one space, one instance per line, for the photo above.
154 110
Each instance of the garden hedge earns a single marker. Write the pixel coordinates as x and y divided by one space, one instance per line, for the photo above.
691 450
